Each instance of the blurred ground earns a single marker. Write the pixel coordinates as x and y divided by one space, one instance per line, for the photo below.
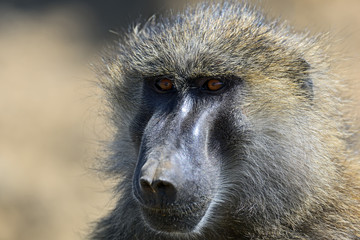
49 111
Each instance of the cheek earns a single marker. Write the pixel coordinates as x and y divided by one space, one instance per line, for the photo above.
138 125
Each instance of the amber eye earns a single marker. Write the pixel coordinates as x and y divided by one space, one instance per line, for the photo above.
164 85
213 85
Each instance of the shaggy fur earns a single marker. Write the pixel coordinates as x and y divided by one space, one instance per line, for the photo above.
292 174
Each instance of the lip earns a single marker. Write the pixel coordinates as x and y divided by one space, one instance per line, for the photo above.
176 218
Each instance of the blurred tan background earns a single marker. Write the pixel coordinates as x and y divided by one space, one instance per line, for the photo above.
51 120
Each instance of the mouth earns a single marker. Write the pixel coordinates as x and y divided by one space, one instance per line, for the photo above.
180 219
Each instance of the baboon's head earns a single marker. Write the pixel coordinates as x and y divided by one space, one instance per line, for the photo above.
215 116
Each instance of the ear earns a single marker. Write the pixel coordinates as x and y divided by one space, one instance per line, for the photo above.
303 78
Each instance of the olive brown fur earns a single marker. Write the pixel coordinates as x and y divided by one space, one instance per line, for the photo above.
268 155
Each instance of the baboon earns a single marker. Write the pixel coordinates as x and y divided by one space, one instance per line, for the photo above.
228 126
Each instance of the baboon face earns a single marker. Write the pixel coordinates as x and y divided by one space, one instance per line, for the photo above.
180 134
213 119
203 147
206 143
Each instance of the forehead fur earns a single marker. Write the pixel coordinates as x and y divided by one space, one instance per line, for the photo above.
220 39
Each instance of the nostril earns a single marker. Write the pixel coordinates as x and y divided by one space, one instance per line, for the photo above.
165 190
162 185
145 185
156 193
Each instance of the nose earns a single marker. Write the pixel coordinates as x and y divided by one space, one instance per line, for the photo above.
158 192
157 184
